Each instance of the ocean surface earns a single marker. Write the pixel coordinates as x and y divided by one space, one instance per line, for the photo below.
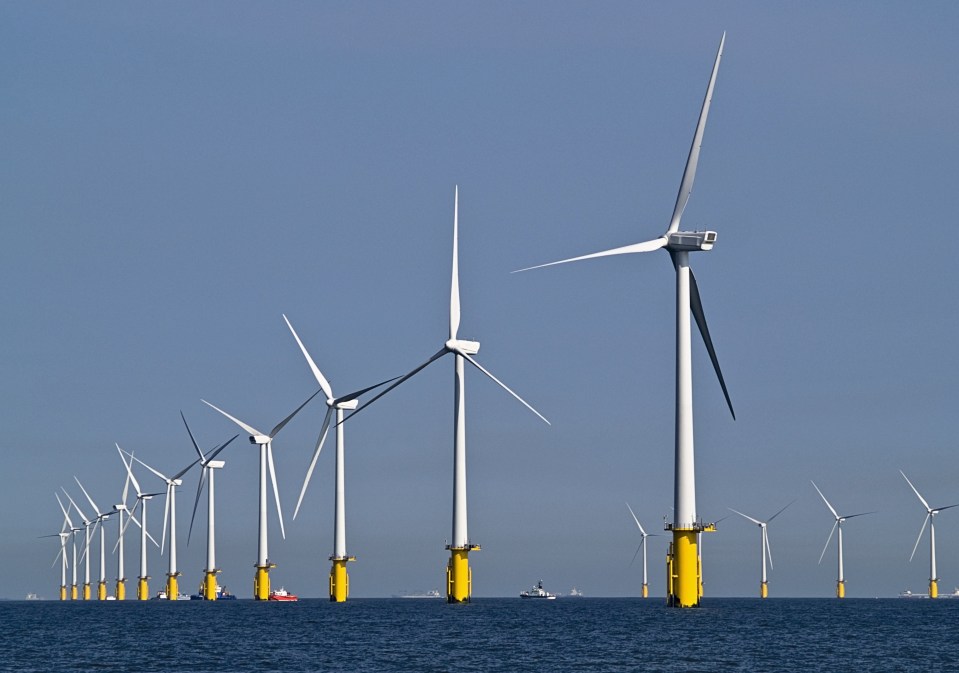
495 634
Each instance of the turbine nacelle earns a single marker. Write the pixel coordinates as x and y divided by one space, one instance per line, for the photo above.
215 464
347 405
259 439
468 347
691 241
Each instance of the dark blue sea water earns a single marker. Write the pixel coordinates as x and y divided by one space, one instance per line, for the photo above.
507 634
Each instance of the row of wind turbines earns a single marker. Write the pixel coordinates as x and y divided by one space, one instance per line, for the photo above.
839 519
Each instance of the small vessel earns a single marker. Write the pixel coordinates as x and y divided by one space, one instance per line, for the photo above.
162 596
909 594
537 592
575 593
432 593
33 597
222 594
282 594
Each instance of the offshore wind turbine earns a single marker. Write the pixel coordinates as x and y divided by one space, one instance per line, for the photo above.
101 516
683 562
261 580
642 545
930 519
339 579
458 575
208 465
120 592
766 550
86 548
73 531
143 579
840 579
66 531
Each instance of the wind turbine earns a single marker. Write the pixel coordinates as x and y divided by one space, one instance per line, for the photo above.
208 465
101 516
169 515
261 581
143 587
766 550
339 579
66 530
642 545
458 577
930 519
840 580
121 508
684 588
86 549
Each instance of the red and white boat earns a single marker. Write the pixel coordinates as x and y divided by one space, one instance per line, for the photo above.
282 594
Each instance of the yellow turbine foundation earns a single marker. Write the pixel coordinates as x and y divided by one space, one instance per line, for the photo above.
933 589
102 591
645 591
63 593
261 582
143 589
209 584
763 590
86 592
340 579
172 586
841 589
459 576
73 592
121 594
684 573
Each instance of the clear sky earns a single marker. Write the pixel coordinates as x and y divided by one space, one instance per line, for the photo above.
175 177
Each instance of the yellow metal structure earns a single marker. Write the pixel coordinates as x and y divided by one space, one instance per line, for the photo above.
86 592
121 594
102 591
840 589
63 593
684 573
933 589
261 582
645 591
172 586
143 588
340 579
209 584
763 590
459 576
73 592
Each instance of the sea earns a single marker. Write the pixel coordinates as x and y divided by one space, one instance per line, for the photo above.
489 634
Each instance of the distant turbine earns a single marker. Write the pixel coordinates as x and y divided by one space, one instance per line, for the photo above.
685 569
642 545
120 593
339 580
458 584
261 581
930 519
840 580
87 523
66 531
766 550
209 465
143 587
101 517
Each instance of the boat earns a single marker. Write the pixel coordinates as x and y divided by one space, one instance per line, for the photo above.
575 593
537 592
162 596
432 593
909 594
222 594
33 597
282 594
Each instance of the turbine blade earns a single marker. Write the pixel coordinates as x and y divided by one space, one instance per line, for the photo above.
696 306
276 491
184 470
440 353
353 396
921 499
689 174
636 520
746 516
921 531
834 513
939 509
196 502
636 553
154 471
92 504
455 282
852 516
769 550
501 384
317 374
316 455
248 428
646 246
66 514
828 539
213 454
779 512
192 438
279 426
166 514
73 502
129 465
130 517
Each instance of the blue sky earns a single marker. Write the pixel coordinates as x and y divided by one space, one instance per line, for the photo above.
174 178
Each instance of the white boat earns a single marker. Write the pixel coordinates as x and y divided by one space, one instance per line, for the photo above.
432 593
538 592
575 593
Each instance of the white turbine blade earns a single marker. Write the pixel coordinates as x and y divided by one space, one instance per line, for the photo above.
921 531
501 384
696 307
852 516
940 509
199 492
316 455
436 356
354 395
746 516
282 424
92 504
63 509
646 246
248 428
192 438
276 492
324 384
153 470
831 509
129 465
636 553
921 499
641 530
166 515
689 174
130 516
779 512
769 550
455 283
73 502
828 539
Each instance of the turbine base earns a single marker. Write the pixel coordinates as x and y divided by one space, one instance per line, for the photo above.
459 575
121 590
340 579
261 581
841 589
63 593
684 585
763 590
143 589
102 591
86 591
209 584
933 589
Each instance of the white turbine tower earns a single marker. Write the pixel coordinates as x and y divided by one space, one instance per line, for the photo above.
143 587
840 579
73 533
339 579
642 545
208 465
101 516
87 523
766 550
169 516
458 585
120 592
66 531
930 519
683 558
261 581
